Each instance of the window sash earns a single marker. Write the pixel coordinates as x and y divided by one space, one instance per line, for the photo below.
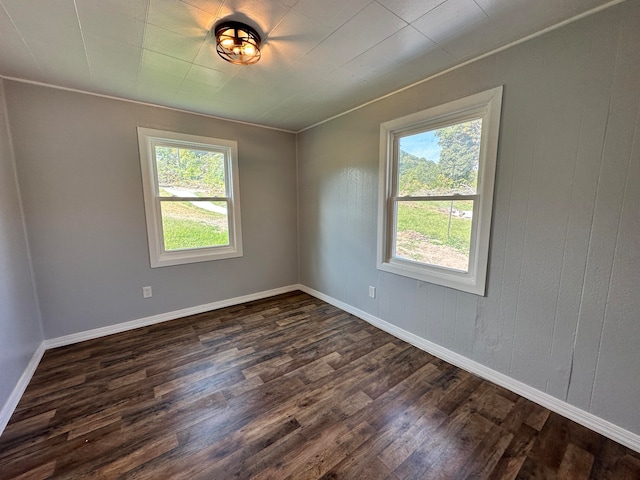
434 198
160 198
230 219
149 139
485 106
224 151
194 199
393 228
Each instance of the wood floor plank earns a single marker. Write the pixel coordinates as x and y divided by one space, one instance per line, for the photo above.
485 457
444 453
333 453
511 461
361 467
411 436
39 473
287 387
232 452
576 464
148 451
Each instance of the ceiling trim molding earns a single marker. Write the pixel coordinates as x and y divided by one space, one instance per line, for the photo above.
473 60
419 82
138 102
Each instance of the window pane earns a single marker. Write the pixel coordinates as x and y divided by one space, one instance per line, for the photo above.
440 162
185 172
194 224
435 233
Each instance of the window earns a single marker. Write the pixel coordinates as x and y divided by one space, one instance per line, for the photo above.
191 197
437 170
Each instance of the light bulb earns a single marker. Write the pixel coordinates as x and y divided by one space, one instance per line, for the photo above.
227 42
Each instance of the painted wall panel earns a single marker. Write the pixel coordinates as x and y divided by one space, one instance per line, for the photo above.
78 163
557 114
621 328
563 270
449 318
20 328
593 119
614 166
434 299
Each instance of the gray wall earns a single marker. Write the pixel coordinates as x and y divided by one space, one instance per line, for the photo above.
562 311
20 329
79 169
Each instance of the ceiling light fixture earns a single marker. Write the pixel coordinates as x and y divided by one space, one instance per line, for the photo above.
237 43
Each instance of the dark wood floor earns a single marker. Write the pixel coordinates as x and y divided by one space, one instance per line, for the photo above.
284 388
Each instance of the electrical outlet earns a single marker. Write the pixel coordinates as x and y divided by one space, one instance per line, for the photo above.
372 291
147 292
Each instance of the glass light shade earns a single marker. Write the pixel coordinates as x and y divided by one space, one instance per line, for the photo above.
237 43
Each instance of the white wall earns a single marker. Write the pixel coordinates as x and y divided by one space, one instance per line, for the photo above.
20 329
562 310
79 170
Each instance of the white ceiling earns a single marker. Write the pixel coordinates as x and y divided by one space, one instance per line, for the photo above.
320 57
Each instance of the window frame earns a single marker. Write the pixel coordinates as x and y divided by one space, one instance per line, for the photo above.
484 105
148 139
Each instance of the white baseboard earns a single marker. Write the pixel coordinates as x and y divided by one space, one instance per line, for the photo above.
162 317
597 424
12 402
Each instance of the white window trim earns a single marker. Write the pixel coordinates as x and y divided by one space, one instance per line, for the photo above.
159 257
485 105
